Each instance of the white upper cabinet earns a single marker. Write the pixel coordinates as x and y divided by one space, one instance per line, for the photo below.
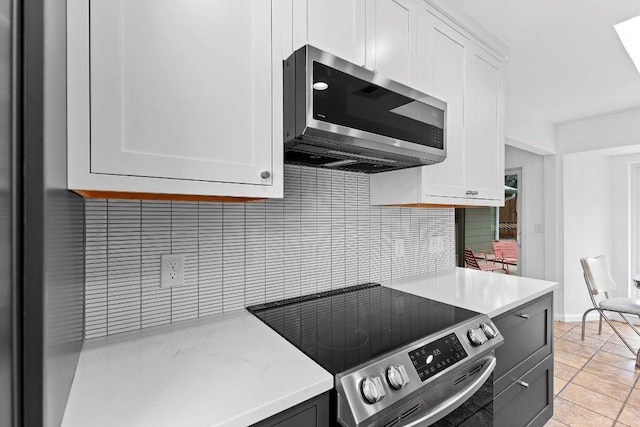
470 80
176 97
387 46
392 39
485 130
447 54
335 26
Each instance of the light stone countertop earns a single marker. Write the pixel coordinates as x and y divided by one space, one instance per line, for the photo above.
481 291
232 369
229 370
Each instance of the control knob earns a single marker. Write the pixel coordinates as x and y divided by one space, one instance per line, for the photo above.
397 376
372 389
476 337
489 330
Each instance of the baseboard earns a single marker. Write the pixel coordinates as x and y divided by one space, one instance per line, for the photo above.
593 316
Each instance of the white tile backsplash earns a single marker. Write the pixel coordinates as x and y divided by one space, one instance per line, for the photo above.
322 235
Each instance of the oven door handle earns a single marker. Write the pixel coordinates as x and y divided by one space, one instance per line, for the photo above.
456 400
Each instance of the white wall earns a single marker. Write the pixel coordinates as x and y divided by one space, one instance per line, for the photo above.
608 131
593 182
553 255
531 189
526 131
588 222
623 268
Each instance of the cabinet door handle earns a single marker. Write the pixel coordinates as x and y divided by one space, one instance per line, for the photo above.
265 174
523 315
523 384
471 193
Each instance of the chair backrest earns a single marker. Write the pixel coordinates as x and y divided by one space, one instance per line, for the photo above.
470 259
505 248
597 275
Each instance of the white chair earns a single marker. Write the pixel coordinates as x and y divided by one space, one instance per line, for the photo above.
600 283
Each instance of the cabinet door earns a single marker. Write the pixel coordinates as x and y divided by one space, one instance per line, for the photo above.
527 332
336 26
446 54
392 36
182 90
528 401
485 139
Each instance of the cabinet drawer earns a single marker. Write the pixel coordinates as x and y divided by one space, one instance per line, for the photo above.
313 413
527 406
527 340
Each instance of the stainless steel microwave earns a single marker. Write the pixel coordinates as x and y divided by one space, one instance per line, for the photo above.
342 116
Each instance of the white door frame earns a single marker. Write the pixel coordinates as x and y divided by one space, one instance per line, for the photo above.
518 172
634 222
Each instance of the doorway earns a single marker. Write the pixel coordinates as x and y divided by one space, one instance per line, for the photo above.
509 216
634 225
477 227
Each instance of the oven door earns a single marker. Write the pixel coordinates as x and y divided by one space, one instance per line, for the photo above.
464 398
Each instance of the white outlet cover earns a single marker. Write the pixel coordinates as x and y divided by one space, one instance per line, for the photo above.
172 270
398 251
436 244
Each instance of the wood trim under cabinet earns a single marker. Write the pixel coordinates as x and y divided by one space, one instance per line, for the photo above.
94 194
432 205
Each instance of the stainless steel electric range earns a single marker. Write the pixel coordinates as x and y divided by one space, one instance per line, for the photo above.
398 359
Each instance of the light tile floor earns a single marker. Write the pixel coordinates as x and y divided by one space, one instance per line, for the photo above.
596 382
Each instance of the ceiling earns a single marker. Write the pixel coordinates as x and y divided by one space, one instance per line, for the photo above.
566 61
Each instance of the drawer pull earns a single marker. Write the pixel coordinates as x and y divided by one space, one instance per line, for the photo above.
523 315
472 193
523 384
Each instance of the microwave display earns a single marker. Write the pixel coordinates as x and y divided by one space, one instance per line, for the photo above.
342 99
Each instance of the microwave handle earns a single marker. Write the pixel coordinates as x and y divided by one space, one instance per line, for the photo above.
453 402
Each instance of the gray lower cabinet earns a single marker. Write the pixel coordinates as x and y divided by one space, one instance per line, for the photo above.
523 378
313 413
529 400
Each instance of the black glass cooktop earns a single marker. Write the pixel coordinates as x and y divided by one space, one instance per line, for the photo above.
344 328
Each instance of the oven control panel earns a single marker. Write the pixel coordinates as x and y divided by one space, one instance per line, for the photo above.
437 356
386 382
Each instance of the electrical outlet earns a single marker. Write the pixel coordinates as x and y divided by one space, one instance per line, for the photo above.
172 270
398 249
436 244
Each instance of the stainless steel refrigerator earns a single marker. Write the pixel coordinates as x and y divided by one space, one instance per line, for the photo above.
41 223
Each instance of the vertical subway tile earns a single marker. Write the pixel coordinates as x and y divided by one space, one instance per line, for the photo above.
323 226
401 230
123 265
387 220
274 255
375 244
363 229
233 256
156 241
323 235
423 253
338 230
255 248
184 240
351 228
209 258
308 230
95 268
431 230
414 242
292 231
